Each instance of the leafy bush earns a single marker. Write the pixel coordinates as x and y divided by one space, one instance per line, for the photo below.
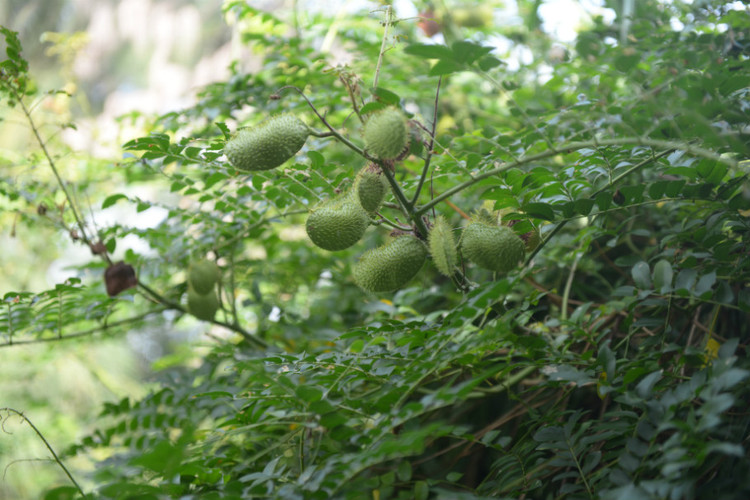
609 364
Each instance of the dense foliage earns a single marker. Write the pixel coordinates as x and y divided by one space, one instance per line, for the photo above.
611 364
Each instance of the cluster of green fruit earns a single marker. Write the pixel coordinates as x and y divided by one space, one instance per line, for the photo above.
203 276
338 223
278 139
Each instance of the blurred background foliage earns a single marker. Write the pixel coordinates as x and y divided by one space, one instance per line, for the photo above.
582 375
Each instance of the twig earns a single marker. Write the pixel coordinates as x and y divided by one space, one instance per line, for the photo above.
231 326
333 131
51 162
84 333
427 160
54 455
573 146
614 181
387 24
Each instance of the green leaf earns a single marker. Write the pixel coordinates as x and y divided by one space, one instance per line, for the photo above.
641 275
657 189
662 276
63 493
488 62
705 283
404 471
584 206
468 52
445 67
646 386
685 279
308 393
430 51
421 490
625 63
386 96
215 178
372 106
539 211
112 199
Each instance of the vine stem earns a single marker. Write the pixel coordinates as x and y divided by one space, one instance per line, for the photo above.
46 443
573 146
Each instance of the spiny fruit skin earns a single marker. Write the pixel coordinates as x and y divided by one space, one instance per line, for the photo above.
391 266
202 306
267 145
442 246
203 275
337 223
492 247
532 239
386 134
371 187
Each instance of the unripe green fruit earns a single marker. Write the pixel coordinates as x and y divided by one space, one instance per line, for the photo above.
267 145
442 246
532 239
472 17
203 276
371 187
391 266
492 247
337 223
202 306
386 134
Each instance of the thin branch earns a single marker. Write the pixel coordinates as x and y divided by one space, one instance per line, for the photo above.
334 132
231 326
85 333
387 24
573 146
54 455
614 181
51 162
427 160
389 222
525 115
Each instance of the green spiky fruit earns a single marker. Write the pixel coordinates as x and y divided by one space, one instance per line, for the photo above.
391 266
371 187
492 247
532 240
442 246
203 276
386 134
267 145
337 223
202 306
